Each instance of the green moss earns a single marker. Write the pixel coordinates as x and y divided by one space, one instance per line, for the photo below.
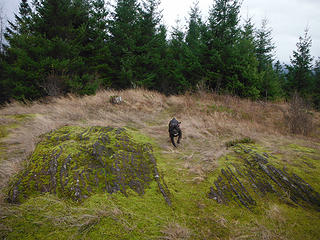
271 216
238 141
22 117
299 148
3 131
307 167
3 134
135 216
255 175
74 162
14 121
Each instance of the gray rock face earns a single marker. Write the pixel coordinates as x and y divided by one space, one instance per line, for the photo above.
76 162
259 177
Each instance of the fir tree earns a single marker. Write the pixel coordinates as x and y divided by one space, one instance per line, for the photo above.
3 93
63 26
194 71
22 24
281 78
162 82
150 44
220 37
269 86
300 70
245 66
265 46
97 50
124 31
194 31
2 28
17 78
176 64
47 50
316 86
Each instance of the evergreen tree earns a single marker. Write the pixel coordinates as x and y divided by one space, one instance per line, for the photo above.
269 86
265 46
193 58
316 87
220 37
162 82
61 46
3 96
150 46
230 55
22 23
2 28
97 50
246 65
124 34
137 44
47 52
281 78
17 78
176 62
55 52
300 70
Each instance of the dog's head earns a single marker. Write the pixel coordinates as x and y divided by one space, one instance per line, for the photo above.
174 122
174 132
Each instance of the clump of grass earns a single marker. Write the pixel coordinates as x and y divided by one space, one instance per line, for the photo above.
246 140
220 108
297 118
3 131
174 231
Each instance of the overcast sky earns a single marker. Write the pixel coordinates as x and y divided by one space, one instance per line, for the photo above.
286 18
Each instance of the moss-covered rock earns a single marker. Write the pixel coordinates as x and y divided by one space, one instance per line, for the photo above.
254 176
75 162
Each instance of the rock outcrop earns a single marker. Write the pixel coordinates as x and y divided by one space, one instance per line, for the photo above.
76 162
256 176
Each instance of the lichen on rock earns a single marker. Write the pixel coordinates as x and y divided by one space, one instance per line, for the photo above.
255 176
75 162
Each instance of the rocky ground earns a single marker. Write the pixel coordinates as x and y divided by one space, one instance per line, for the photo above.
85 168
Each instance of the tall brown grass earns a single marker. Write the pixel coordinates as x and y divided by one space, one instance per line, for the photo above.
174 231
298 118
208 121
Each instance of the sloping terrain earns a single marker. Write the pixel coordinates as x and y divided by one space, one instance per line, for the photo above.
237 174
76 162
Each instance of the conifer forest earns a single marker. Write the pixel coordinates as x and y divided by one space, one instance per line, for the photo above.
55 47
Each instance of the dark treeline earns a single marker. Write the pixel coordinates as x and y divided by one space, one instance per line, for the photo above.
54 47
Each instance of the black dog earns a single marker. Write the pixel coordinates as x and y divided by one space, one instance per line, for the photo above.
175 131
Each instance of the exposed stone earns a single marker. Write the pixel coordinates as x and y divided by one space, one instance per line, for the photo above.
115 99
76 162
257 175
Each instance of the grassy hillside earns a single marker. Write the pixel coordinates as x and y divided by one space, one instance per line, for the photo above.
217 133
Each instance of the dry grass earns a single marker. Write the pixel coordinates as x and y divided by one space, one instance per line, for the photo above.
257 231
81 218
174 231
297 117
20 143
208 121
275 214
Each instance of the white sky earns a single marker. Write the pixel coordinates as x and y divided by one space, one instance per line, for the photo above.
286 18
